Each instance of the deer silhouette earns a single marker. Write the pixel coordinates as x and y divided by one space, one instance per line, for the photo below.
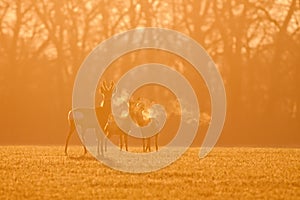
140 113
83 116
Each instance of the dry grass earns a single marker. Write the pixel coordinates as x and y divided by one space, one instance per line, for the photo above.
227 173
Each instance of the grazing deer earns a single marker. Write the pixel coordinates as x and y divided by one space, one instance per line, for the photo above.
84 115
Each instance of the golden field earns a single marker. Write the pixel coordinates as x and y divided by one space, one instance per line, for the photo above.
43 172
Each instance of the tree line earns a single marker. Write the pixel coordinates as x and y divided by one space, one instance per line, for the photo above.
255 45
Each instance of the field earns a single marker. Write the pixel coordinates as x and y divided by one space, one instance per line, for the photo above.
43 172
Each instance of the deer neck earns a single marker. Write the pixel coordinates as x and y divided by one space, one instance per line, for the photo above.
106 105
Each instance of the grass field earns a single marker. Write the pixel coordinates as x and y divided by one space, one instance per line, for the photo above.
43 172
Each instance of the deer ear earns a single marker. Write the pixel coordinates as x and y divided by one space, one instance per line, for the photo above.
112 85
104 84
101 90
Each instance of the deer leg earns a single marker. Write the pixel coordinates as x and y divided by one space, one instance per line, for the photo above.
107 135
149 144
105 143
101 146
82 142
71 130
144 147
98 143
84 150
126 142
156 145
121 142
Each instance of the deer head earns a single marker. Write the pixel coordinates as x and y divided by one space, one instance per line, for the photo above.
107 90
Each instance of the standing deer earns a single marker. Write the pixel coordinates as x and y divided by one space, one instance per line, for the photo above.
138 110
141 117
83 116
111 128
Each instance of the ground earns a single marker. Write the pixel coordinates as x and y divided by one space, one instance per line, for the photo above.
43 172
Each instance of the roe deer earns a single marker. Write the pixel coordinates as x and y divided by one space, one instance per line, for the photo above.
141 117
83 116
